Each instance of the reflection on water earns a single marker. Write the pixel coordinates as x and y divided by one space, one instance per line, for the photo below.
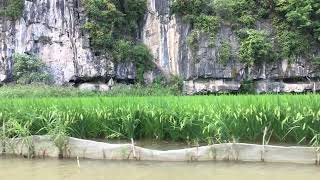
51 169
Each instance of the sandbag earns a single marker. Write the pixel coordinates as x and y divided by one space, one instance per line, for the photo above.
43 146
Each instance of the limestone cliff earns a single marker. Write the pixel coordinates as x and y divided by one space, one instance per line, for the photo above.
201 70
52 29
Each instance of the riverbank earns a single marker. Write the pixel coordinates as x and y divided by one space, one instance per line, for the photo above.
45 146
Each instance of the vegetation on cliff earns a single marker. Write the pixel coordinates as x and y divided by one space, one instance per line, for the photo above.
29 70
224 53
114 27
255 47
11 8
295 23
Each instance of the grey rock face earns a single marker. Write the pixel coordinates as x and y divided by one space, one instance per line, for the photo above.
297 87
94 87
210 86
52 30
161 34
201 68
125 71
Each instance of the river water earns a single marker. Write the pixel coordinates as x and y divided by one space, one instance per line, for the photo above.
52 169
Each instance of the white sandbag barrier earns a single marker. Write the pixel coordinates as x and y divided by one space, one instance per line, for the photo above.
42 146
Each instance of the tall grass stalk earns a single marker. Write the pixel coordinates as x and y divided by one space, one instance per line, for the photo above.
214 119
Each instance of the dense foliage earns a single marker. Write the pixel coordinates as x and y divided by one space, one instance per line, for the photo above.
224 53
296 24
30 69
12 8
288 118
200 15
304 15
170 88
114 27
255 46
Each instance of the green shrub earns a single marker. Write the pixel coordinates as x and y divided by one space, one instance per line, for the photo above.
208 25
113 27
245 12
29 69
316 61
190 7
224 8
297 28
298 13
200 14
248 87
291 42
296 24
173 83
255 47
142 59
103 16
224 53
247 21
193 39
13 8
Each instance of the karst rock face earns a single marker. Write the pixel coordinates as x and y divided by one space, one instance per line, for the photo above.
201 70
52 29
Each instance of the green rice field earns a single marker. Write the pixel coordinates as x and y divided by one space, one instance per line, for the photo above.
293 119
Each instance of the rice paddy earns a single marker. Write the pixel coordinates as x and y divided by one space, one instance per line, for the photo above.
281 119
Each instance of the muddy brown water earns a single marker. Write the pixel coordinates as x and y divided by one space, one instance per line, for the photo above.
52 169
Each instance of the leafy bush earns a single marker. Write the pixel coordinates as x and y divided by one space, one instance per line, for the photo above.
300 14
122 51
255 47
224 53
193 39
175 83
113 26
224 8
142 59
207 24
296 27
190 7
246 13
248 87
200 14
138 53
13 8
29 69
293 44
296 24
103 16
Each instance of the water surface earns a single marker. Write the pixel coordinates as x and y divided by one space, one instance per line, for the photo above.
52 169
